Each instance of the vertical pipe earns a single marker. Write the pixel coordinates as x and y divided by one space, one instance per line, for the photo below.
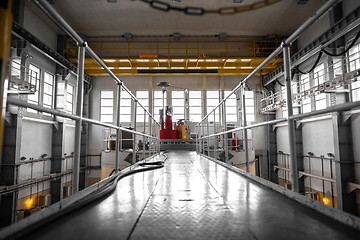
196 142
291 126
203 140
134 135
117 112
150 139
79 110
215 137
245 133
144 136
226 149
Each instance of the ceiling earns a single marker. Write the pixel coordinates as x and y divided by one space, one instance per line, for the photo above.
100 18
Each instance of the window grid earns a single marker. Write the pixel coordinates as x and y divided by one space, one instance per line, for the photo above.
69 98
250 106
143 97
319 78
48 90
125 107
178 103
195 105
212 100
107 106
231 107
305 85
354 64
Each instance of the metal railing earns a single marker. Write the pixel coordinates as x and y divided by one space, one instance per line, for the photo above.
78 117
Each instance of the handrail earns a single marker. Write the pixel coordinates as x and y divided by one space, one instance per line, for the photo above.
326 7
48 9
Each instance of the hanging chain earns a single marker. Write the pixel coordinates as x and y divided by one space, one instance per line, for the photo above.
198 11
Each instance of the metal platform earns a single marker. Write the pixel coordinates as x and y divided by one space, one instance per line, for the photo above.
193 198
178 144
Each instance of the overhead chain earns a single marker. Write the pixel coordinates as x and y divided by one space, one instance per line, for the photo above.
198 11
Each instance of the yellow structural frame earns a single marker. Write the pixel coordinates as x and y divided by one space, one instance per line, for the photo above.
5 38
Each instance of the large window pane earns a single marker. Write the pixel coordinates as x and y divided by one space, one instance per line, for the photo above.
106 106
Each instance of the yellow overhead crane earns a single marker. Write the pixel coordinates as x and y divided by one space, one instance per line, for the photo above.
181 57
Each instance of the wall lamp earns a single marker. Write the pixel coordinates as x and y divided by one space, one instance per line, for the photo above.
331 155
23 158
44 155
310 154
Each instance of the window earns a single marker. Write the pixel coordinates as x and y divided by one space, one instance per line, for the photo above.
143 97
125 107
304 86
195 106
355 86
319 78
250 106
178 103
230 107
48 90
337 67
283 97
158 103
212 100
354 58
69 98
106 106
34 75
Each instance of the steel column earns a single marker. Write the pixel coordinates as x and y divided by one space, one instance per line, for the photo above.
117 112
134 134
246 146
78 123
291 123
5 39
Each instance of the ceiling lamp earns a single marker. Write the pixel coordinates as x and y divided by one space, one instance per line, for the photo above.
302 1
128 36
238 1
112 1
222 36
176 36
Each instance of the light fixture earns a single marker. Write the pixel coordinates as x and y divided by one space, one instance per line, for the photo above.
177 60
177 67
238 1
23 158
222 36
176 36
160 67
112 1
229 67
142 68
330 155
29 203
302 2
310 154
44 155
246 67
326 200
128 36
245 60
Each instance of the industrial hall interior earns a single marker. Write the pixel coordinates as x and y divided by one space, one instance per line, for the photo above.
180 119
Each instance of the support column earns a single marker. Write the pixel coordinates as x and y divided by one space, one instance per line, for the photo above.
117 112
134 135
215 137
11 158
272 150
344 163
57 153
78 123
245 133
291 125
5 39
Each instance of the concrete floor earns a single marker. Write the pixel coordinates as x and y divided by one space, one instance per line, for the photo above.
193 198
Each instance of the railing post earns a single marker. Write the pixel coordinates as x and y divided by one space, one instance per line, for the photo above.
215 137
144 136
117 112
78 123
226 149
291 125
203 139
134 135
208 133
150 139
246 146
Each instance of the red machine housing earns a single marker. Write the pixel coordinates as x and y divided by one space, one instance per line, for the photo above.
168 132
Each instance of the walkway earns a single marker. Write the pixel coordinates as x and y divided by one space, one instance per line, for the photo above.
194 198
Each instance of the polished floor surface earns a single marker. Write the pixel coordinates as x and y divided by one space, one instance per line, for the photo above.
193 198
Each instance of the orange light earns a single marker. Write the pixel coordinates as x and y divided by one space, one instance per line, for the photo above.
29 203
326 201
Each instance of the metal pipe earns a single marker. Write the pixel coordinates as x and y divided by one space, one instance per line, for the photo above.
22 103
203 141
245 133
78 123
326 7
208 132
215 138
144 136
117 112
150 141
134 135
291 124
52 13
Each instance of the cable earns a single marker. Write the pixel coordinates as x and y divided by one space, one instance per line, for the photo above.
277 80
313 67
346 49
102 192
